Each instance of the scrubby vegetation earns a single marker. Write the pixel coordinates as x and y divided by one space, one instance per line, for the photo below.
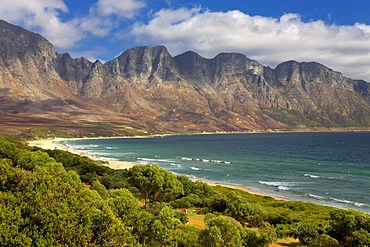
55 198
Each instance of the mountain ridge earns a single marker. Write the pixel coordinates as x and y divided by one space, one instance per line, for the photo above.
147 89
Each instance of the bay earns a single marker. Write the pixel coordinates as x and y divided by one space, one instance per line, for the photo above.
330 168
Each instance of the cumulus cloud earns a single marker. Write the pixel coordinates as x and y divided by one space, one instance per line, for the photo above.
44 16
106 14
268 40
122 8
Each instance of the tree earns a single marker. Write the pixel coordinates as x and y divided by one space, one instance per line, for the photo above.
211 237
30 160
238 208
360 238
325 241
187 202
162 228
258 237
219 232
198 187
124 205
142 227
109 231
155 183
11 222
13 179
7 149
344 223
96 185
306 233
217 203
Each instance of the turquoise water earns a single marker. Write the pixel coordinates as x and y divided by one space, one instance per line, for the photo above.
324 168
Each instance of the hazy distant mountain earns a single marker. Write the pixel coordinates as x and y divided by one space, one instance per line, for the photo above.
146 88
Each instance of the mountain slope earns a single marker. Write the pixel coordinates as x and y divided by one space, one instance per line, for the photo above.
148 89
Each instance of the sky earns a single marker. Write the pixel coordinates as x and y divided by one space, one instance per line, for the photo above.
335 33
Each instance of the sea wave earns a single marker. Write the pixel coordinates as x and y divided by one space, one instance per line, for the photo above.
195 168
277 184
108 158
217 161
87 146
81 147
317 197
205 160
176 165
311 176
156 160
110 148
283 187
101 154
317 176
336 200
357 204
280 185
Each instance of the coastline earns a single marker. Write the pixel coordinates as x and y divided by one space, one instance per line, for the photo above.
54 144
115 164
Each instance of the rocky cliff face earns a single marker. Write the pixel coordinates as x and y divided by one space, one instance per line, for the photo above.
147 88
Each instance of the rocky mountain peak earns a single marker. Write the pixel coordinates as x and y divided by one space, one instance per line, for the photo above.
145 63
70 69
19 42
194 68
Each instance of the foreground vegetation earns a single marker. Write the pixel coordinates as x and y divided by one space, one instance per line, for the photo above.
55 198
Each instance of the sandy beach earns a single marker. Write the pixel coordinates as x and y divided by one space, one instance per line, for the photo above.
54 144
115 164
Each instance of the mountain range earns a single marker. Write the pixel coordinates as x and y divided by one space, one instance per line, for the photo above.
145 89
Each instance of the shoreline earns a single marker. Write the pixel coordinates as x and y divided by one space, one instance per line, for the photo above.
117 164
54 144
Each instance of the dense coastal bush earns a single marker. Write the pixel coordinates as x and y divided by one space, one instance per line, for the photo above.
55 198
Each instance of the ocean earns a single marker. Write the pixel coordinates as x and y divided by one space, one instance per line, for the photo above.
330 168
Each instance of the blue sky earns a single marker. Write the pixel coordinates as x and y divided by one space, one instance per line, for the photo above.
335 33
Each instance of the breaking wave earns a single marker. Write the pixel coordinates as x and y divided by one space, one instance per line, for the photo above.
311 176
195 168
316 176
205 160
279 185
336 200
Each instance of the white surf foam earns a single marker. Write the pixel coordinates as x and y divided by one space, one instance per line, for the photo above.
311 176
283 187
195 168
110 148
277 184
155 160
317 196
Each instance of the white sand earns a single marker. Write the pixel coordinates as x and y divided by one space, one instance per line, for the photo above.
53 144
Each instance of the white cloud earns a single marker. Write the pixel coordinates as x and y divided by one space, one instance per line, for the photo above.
268 40
43 16
105 15
121 8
